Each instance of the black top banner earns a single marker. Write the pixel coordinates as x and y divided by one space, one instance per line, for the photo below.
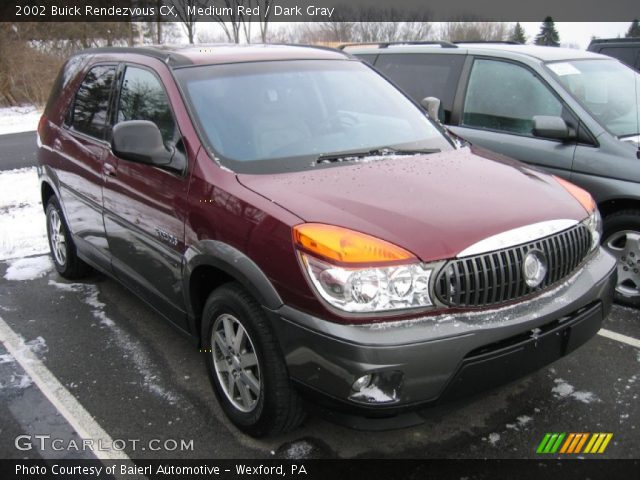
315 10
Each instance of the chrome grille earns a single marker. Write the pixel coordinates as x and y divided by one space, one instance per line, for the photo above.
496 277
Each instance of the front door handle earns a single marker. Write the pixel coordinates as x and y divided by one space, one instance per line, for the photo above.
109 170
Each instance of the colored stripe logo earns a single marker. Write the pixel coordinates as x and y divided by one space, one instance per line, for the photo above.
573 443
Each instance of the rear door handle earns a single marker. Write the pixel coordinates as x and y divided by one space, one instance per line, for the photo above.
109 170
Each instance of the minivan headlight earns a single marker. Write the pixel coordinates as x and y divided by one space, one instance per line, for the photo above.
358 273
594 223
372 289
594 220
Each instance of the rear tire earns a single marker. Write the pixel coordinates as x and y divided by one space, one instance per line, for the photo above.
245 364
622 240
63 250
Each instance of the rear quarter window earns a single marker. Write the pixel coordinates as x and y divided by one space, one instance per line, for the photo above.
90 111
627 55
424 75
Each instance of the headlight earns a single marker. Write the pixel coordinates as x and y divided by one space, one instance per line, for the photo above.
372 289
356 272
594 223
594 220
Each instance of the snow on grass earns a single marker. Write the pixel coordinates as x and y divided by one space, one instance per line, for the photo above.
22 220
133 348
565 390
19 119
29 268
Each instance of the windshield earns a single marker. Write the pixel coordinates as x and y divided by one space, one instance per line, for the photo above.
607 88
277 116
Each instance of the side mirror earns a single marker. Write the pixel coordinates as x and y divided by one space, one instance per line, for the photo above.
554 128
432 105
140 141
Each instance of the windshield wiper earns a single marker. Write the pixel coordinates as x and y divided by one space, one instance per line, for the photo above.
377 152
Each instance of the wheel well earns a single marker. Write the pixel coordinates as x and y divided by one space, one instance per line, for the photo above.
204 280
610 206
46 193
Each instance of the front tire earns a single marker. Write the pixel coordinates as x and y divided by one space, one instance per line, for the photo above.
63 250
622 240
245 364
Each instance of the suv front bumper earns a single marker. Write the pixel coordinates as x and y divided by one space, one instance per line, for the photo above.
428 359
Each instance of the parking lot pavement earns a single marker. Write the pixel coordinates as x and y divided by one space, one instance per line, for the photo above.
141 379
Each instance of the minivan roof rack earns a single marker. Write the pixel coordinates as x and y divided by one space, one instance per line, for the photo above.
443 44
616 40
499 42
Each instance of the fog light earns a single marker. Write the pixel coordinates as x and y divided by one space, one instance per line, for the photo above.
362 383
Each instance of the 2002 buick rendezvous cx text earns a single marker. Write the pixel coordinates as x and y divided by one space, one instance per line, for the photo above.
313 229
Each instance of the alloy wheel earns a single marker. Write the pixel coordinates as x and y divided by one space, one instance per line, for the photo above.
236 363
57 237
625 246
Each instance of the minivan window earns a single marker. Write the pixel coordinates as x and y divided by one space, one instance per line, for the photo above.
142 97
608 89
626 55
422 75
91 104
282 115
505 97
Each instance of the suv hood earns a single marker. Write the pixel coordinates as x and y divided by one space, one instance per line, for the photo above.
433 205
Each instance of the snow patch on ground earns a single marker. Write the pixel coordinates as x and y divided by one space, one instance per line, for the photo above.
298 450
29 268
6 358
17 381
22 220
523 420
493 438
565 390
19 119
133 348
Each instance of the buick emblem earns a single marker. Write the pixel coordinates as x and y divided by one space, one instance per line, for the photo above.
534 268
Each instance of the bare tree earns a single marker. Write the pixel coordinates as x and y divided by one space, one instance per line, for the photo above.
470 31
187 14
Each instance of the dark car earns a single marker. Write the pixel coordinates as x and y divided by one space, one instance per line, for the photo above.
627 50
573 113
313 230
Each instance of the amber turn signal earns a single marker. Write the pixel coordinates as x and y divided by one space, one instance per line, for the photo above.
584 197
346 246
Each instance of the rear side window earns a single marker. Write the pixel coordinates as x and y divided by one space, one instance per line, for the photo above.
142 97
424 75
505 97
627 55
91 106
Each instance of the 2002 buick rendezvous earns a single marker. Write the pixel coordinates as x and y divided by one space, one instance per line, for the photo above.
313 229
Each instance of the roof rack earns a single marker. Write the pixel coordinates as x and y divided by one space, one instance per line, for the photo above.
390 44
170 57
616 40
499 42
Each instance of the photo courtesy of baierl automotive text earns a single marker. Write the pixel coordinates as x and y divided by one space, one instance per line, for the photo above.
290 238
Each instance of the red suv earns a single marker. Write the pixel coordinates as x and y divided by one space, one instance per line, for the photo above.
313 230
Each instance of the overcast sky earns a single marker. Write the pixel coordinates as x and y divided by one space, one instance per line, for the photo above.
580 33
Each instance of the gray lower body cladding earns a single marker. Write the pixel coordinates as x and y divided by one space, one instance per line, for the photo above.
440 357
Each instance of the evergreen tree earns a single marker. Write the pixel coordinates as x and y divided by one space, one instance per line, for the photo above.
548 34
634 29
517 35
